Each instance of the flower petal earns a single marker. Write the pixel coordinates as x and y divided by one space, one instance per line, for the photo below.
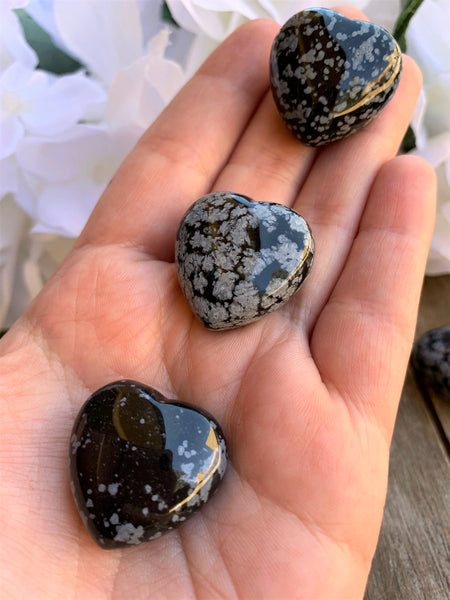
9 175
218 19
43 13
439 256
436 150
197 19
379 11
428 41
70 171
65 157
13 46
11 131
437 115
64 208
61 104
106 36
140 92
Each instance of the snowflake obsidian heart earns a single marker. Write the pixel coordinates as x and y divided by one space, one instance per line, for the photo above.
140 465
331 75
238 260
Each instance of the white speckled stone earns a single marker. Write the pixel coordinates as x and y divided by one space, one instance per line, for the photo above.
430 359
331 75
238 260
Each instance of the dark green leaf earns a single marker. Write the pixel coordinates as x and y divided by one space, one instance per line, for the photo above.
51 58
167 15
402 23
410 8
409 141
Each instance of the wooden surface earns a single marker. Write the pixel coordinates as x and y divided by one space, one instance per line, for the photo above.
412 561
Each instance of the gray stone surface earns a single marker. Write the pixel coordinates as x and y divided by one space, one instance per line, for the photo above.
430 359
238 260
331 75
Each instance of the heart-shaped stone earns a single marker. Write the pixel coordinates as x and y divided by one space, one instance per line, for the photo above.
430 359
238 260
331 75
140 465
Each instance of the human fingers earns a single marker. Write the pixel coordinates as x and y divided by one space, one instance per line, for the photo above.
269 163
180 156
334 195
363 337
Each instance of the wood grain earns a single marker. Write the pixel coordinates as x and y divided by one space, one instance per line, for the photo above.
412 561
434 311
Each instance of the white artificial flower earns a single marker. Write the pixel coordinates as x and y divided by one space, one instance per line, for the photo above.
41 103
62 137
381 12
212 22
59 153
219 18
14 4
429 44
68 174
104 36
43 12
13 47
141 91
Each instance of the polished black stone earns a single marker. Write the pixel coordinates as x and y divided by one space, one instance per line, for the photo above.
238 260
331 75
140 465
430 359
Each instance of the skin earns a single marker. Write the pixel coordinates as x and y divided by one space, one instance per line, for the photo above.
307 396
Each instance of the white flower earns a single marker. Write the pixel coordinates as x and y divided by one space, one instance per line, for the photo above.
68 175
68 172
105 36
429 44
212 22
59 151
13 46
218 19
41 103
141 91
62 137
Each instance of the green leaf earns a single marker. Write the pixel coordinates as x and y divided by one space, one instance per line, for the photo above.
409 10
167 15
403 20
51 58
409 141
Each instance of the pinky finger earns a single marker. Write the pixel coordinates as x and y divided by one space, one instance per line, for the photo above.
363 337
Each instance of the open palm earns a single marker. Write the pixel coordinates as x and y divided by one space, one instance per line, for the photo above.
306 396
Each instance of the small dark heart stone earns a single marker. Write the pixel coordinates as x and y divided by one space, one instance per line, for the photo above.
430 359
331 75
238 260
140 465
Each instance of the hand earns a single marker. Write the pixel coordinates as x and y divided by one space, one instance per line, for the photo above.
307 396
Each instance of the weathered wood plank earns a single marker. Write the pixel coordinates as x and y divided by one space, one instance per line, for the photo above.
434 312
434 309
412 561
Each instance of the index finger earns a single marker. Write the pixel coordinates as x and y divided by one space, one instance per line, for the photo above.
179 157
